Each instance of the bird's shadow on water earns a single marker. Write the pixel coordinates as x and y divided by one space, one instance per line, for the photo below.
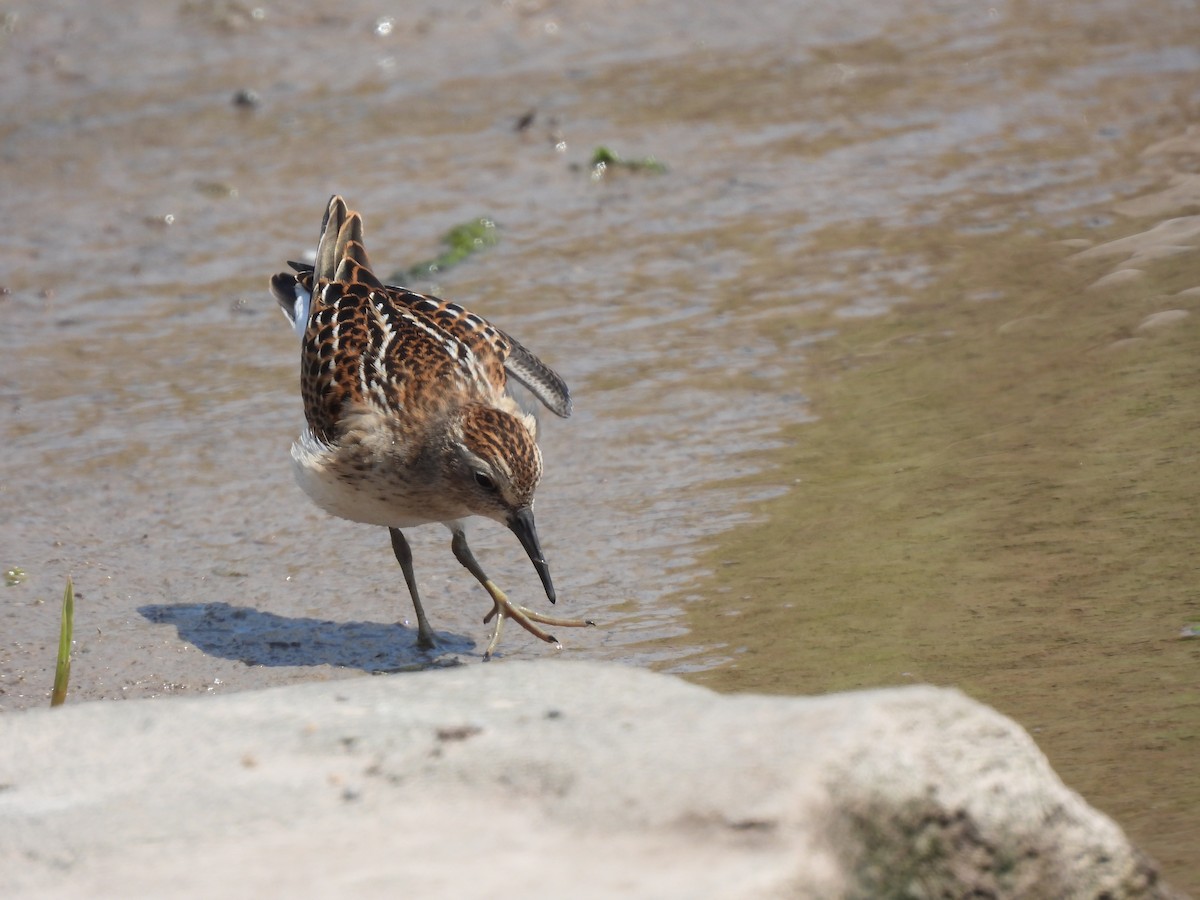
264 639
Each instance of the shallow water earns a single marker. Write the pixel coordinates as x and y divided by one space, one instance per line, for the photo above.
826 165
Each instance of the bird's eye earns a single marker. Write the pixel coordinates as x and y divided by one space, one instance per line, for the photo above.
484 481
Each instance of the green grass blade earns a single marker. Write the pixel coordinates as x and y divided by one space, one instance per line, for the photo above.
62 670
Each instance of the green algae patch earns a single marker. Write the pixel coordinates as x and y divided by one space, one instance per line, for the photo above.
460 242
603 159
1000 494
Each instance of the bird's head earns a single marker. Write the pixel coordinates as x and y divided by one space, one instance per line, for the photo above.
495 469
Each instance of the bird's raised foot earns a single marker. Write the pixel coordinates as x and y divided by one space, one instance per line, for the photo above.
503 608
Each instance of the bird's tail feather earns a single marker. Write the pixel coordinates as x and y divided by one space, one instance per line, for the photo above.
341 255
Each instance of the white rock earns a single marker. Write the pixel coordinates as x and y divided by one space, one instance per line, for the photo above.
545 779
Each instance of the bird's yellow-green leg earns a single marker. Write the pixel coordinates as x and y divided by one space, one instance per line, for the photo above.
404 557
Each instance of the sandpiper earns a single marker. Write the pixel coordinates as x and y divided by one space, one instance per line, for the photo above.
409 417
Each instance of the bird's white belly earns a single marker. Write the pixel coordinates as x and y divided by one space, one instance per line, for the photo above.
367 497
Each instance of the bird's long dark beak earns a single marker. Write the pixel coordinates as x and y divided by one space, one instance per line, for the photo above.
521 524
